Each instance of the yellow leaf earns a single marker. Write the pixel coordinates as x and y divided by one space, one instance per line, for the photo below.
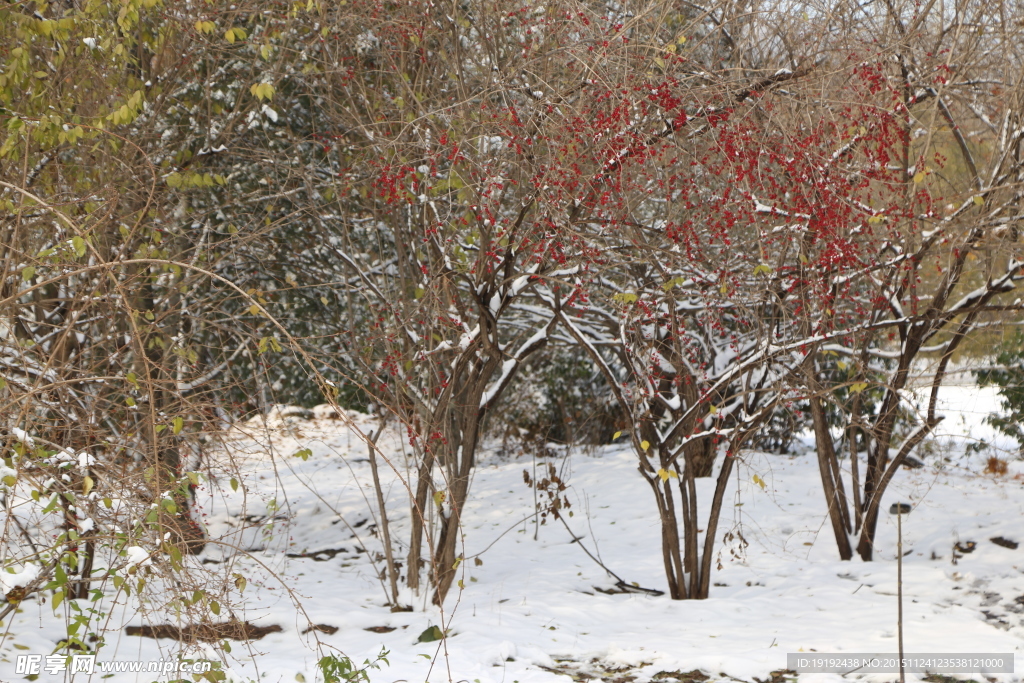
616 435
858 387
759 481
645 445
919 177
681 40
229 35
87 485
663 474
254 310
979 200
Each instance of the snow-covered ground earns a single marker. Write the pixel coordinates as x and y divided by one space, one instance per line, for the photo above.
532 609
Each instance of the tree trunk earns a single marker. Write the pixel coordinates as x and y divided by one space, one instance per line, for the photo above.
831 482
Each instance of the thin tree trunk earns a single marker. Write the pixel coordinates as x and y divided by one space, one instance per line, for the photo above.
670 550
712 528
415 559
828 467
385 527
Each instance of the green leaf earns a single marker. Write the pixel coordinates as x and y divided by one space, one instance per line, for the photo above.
28 272
78 244
58 598
215 607
626 297
430 635
176 425
304 454
234 484
269 342
262 91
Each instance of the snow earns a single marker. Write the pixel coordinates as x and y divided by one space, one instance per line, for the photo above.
137 556
533 610
23 436
18 579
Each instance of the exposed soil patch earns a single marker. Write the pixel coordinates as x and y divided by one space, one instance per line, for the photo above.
695 676
779 676
208 633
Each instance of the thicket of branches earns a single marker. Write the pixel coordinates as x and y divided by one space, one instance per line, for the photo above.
728 221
